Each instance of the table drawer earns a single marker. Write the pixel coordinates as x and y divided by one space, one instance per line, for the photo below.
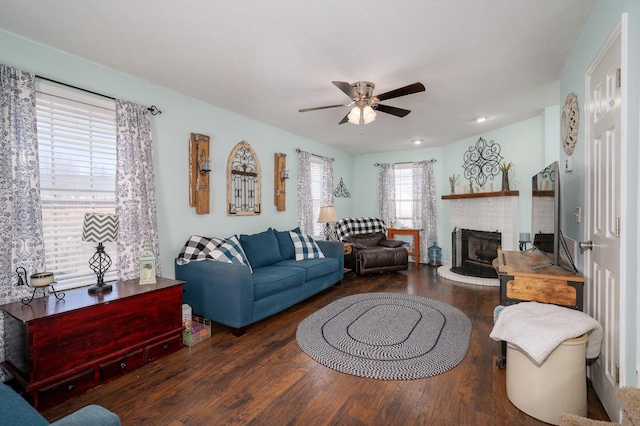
71 386
122 365
164 347
558 292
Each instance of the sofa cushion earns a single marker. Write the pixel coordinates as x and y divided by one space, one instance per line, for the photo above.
367 240
313 268
269 280
306 247
391 243
287 250
261 249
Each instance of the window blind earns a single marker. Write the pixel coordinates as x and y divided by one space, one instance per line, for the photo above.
404 195
77 154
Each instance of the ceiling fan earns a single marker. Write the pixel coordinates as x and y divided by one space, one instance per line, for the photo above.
365 104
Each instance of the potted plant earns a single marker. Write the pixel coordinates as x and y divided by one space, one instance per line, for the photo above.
504 168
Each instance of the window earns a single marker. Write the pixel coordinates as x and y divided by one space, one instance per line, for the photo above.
404 195
77 153
316 194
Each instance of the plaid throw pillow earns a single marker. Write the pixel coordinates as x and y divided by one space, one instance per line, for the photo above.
305 246
198 248
226 250
230 251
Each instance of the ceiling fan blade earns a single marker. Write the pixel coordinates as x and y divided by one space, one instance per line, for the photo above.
402 91
346 88
345 119
400 112
322 107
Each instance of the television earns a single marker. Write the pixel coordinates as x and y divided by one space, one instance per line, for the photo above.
545 212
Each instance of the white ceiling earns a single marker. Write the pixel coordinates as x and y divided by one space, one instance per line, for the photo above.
267 59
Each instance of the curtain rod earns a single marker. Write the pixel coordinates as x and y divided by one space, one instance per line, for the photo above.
152 109
433 160
298 150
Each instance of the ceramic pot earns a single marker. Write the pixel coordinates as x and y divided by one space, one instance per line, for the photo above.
41 279
505 181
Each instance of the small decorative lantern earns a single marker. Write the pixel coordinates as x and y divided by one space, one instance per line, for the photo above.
147 265
435 255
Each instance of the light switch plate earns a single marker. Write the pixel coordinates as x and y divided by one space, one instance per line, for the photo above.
577 214
568 164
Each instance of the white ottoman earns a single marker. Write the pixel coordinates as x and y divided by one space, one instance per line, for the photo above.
559 385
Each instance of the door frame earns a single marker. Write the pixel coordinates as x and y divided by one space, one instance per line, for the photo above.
621 29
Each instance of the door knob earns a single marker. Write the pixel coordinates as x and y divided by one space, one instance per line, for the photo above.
585 245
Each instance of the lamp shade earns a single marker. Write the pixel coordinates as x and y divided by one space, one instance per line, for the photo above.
354 115
100 227
368 114
327 215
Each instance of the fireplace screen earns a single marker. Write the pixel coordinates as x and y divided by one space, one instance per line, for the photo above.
474 252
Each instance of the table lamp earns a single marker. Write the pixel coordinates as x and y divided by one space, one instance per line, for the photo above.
100 228
327 216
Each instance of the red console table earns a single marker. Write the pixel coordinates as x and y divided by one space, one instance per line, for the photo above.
58 349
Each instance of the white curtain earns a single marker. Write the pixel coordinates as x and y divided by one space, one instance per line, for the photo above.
424 206
305 200
135 189
21 238
387 193
327 191
327 181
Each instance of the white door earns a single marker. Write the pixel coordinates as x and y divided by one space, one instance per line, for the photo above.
602 207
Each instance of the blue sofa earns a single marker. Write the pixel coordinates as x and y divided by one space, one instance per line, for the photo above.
237 296
16 411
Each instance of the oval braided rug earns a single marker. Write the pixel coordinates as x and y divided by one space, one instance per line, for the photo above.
386 336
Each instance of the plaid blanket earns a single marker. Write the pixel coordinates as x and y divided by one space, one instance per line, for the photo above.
359 225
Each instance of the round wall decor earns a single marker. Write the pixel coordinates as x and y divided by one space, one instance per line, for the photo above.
569 123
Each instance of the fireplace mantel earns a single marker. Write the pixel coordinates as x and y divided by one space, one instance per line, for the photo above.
482 195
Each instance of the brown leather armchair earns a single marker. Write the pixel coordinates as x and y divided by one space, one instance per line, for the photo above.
373 253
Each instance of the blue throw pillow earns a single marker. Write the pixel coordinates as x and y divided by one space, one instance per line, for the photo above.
287 250
306 247
261 249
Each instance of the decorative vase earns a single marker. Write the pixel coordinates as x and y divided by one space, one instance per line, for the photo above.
505 181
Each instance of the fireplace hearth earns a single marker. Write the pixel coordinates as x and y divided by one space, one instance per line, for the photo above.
473 252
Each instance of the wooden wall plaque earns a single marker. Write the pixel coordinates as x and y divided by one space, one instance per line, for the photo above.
199 193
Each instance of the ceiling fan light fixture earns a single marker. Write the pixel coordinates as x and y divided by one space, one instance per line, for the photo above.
354 115
369 114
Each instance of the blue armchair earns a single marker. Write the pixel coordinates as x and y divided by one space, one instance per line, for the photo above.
15 411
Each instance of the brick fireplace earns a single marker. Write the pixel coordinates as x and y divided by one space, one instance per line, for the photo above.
495 212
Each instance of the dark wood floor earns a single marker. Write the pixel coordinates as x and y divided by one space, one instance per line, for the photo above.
263 378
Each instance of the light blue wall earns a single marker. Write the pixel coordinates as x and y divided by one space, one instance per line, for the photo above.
182 115
603 21
520 143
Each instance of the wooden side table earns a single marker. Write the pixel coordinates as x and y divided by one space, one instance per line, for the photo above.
348 249
415 233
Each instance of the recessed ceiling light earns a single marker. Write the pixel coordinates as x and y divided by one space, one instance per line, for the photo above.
481 119
416 141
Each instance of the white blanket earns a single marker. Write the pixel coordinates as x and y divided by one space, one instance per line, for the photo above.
538 329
